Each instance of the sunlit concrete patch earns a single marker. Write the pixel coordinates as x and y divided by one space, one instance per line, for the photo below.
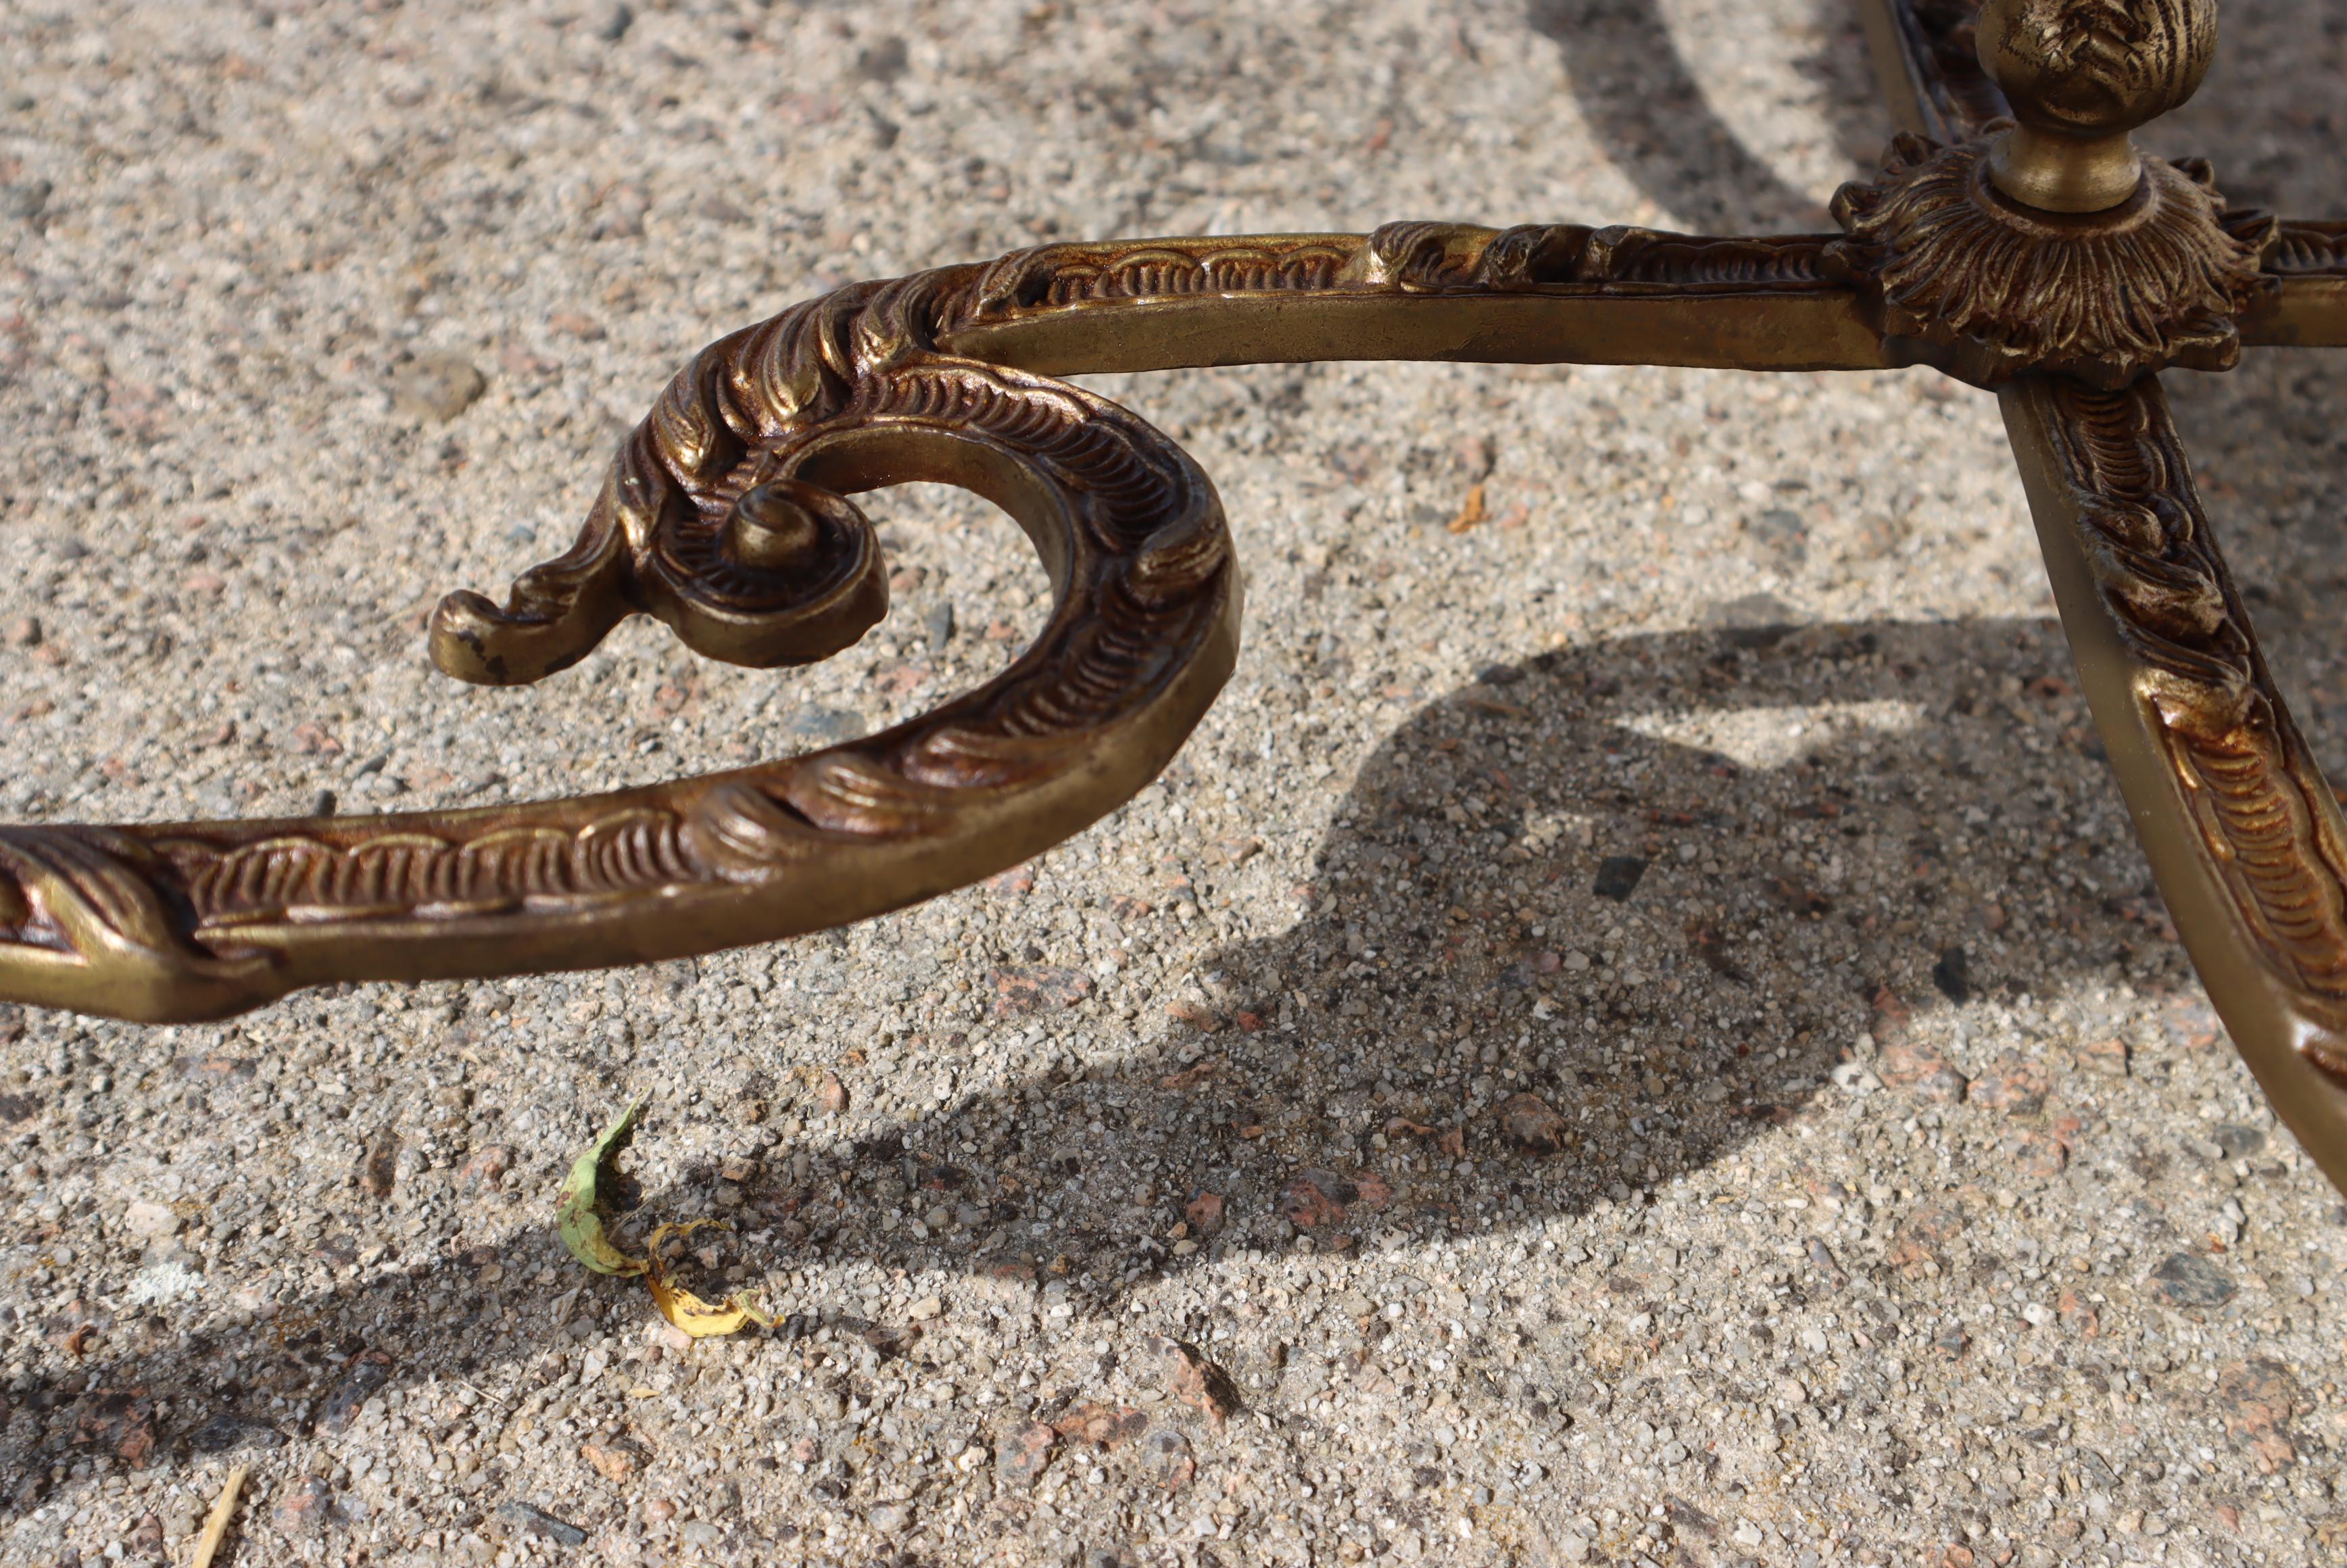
1776 737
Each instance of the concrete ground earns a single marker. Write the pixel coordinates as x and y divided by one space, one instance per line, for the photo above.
1725 787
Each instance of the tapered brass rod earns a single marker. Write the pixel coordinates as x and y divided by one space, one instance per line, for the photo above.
1930 82
2305 313
1819 329
1559 293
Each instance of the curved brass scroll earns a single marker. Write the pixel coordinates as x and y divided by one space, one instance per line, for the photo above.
726 514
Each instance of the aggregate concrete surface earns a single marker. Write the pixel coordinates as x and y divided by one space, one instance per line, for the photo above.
1890 1194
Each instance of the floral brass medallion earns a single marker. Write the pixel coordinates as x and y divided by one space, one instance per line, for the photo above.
2014 239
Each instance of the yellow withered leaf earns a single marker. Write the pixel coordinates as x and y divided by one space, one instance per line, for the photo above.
697 1318
578 1213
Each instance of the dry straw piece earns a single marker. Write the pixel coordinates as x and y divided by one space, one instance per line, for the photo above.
216 1526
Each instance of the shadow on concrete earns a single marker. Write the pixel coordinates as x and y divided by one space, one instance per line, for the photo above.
1631 84
1418 998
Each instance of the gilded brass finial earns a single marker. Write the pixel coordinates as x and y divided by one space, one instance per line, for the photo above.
2081 74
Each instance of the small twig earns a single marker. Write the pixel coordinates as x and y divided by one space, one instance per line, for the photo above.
217 1525
501 1404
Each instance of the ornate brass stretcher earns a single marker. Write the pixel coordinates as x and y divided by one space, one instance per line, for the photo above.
2015 240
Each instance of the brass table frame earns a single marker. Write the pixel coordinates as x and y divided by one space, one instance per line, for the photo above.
726 514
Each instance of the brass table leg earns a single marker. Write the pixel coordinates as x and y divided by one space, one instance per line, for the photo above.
2243 832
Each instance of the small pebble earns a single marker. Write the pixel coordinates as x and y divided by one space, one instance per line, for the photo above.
1528 1122
1023 1451
306 1508
436 387
609 19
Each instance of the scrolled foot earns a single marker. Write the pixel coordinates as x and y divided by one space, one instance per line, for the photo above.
726 515
553 618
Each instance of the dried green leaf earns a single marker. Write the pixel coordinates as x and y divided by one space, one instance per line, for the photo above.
579 1212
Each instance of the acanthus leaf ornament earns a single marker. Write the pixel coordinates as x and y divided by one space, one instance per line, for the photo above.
1957 275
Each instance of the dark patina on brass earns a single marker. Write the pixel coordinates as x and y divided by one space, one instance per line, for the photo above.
2014 239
